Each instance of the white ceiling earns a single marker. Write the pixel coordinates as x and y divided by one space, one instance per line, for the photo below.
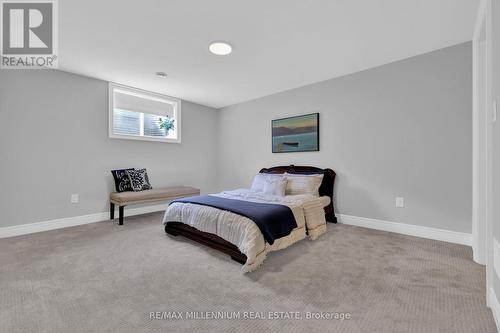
277 45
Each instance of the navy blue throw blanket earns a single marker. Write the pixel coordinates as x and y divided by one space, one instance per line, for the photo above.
273 220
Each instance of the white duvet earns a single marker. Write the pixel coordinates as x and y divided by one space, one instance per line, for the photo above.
243 232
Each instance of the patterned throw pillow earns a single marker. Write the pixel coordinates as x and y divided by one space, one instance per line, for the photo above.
122 182
139 180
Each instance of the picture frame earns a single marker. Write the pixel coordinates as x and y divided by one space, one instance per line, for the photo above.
295 134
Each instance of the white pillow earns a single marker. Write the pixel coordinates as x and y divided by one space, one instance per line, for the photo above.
303 184
260 179
275 186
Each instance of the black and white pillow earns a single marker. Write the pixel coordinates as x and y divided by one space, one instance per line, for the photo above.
139 180
122 182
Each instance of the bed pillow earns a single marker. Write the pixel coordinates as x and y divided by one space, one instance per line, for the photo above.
303 184
122 182
275 186
139 180
260 180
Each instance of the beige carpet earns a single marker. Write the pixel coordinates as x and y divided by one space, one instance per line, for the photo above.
108 278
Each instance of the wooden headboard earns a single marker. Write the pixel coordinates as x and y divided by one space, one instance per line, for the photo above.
326 188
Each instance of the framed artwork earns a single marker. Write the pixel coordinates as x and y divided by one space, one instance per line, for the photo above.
294 134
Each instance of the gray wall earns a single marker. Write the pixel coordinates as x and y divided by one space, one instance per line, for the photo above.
402 129
54 142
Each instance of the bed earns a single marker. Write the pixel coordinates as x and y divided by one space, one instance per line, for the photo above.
238 235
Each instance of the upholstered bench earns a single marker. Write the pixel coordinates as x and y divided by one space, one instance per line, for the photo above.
123 199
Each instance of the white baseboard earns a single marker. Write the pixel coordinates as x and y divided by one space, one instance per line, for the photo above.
408 229
405 229
66 222
495 307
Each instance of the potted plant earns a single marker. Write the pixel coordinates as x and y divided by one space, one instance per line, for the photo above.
167 123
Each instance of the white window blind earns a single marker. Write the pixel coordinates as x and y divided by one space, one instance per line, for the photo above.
128 100
126 122
136 114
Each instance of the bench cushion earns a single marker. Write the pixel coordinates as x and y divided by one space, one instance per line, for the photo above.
158 194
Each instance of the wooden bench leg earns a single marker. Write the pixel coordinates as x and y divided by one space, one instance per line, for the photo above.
120 208
111 211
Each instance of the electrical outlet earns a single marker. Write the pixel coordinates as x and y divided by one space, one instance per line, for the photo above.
74 198
400 202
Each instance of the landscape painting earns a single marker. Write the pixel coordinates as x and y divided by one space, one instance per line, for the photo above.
293 134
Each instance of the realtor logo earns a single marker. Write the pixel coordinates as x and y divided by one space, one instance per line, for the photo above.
29 34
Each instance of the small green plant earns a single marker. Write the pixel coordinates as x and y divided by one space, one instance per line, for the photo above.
167 124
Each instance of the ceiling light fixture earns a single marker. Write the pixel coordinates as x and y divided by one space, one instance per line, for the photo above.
220 48
161 75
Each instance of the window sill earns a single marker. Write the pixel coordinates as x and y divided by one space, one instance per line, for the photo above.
144 138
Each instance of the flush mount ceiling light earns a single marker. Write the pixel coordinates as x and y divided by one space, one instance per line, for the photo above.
220 48
161 75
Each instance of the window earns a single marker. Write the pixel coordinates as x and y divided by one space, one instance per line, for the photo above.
140 115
